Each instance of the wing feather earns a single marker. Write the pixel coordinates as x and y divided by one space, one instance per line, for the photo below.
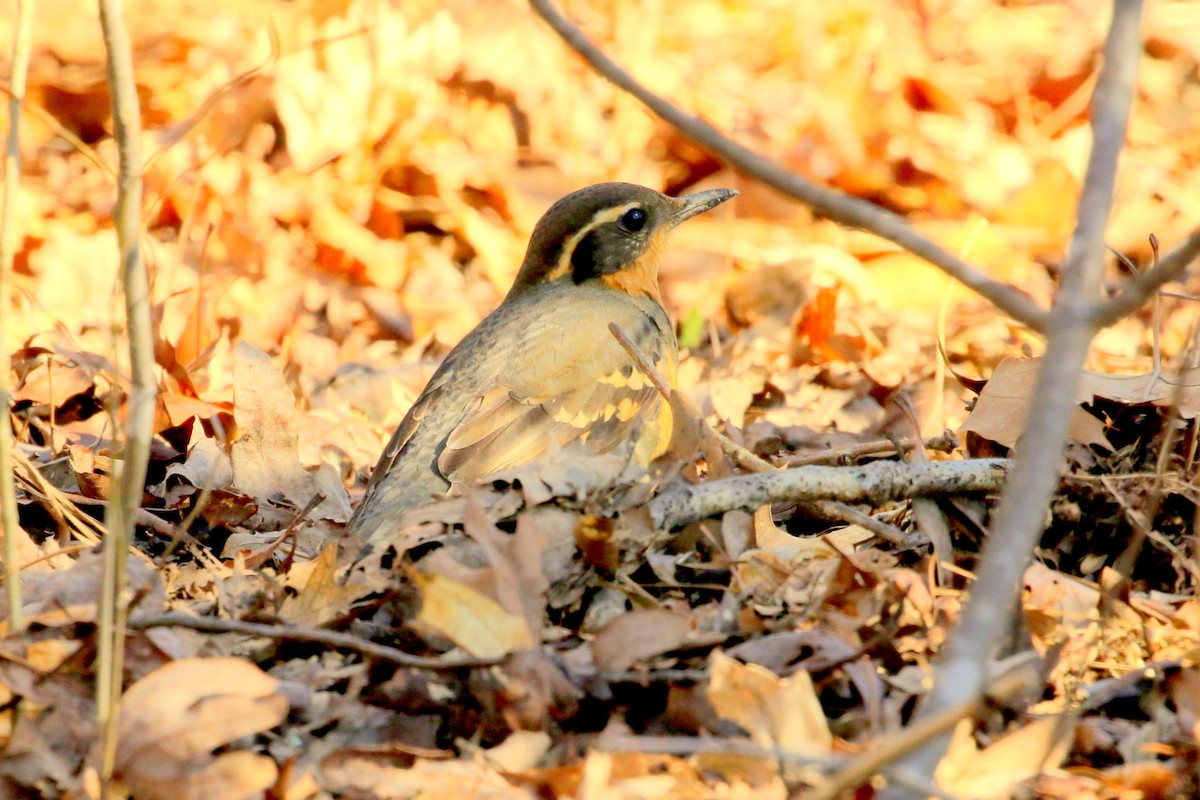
580 389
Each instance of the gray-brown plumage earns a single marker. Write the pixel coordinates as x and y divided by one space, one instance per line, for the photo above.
543 369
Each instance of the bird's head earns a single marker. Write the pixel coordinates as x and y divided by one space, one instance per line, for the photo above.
612 233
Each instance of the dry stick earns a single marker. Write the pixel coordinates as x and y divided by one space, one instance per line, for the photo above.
130 479
834 205
943 444
17 544
1020 518
843 512
65 513
296 633
872 483
851 211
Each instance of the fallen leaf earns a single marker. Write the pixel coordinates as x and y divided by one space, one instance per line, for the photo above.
322 594
994 771
1003 406
472 621
521 751
172 720
264 455
777 712
639 634
356 774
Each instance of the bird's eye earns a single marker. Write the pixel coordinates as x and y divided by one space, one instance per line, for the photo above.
634 220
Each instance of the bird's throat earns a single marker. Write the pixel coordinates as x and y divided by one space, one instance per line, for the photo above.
640 278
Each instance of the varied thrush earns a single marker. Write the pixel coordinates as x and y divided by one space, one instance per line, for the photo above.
543 369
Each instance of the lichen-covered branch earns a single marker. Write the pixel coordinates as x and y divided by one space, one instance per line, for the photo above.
872 483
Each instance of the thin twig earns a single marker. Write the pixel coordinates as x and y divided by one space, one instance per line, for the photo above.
1021 515
296 633
1135 293
740 455
644 364
130 478
65 513
831 509
834 205
943 444
17 544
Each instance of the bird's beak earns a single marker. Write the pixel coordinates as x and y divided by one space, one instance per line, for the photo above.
698 203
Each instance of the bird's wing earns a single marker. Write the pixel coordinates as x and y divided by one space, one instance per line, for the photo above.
404 433
564 386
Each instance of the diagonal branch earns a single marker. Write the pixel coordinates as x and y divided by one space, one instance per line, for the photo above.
836 206
988 615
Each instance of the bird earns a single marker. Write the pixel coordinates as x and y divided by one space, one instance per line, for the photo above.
543 370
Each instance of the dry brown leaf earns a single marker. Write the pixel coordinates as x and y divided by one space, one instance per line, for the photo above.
732 395
322 593
472 621
1046 203
265 461
54 381
361 774
1003 405
1161 390
521 751
817 339
639 634
172 720
994 771
264 454
777 712
345 246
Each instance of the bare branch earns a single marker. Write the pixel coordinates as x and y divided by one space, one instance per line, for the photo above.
945 443
1020 518
834 205
843 512
295 633
130 479
1135 294
18 547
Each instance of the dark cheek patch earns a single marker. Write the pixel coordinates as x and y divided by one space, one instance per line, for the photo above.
603 251
584 258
